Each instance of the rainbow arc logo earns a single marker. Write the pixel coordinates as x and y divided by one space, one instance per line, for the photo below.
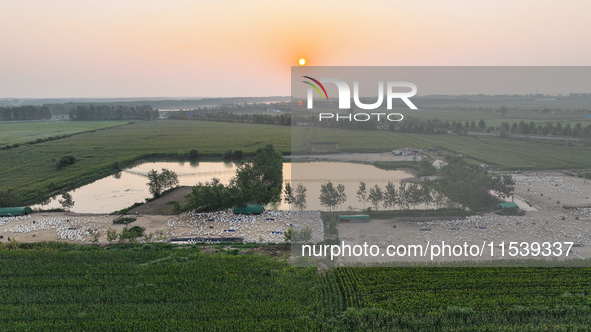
316 87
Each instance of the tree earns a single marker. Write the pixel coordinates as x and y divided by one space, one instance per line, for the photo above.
288 194
301 236
362 193
131 233
154 184
261 181
390 195
159 182
45 201
482 124
427 195
228 154
168 179
376 196
341 196
329 196
212 196
193 154
426 167
300 197
95 235
67 201
413 194
471 185
258 182
403 195
287 234
503 185
112 235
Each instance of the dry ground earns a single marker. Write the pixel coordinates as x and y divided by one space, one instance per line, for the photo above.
547 221
160 205
268 227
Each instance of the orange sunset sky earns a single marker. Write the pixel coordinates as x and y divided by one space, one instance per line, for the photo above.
177 48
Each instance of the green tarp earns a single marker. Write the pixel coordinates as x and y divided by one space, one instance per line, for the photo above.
15 211
249 209
508 205
355 217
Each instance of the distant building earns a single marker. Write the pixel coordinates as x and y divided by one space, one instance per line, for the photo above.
486 167
406 152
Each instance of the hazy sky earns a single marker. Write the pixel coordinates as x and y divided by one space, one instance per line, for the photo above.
146 48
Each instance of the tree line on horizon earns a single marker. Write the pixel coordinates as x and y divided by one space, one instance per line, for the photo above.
101 112
27 112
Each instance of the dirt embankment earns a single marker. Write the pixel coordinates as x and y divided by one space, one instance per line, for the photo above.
160 205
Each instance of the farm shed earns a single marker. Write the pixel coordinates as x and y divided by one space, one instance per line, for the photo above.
355 218
508 205
406 152
15 211
249 209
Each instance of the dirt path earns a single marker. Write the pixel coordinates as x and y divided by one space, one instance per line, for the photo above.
353 157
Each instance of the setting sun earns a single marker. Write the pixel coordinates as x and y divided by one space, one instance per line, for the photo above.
302 61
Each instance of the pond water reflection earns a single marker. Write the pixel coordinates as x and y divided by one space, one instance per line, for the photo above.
130 185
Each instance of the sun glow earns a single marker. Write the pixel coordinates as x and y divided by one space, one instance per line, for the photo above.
302 61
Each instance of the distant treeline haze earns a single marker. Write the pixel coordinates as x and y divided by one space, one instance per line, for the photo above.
28 112
100 112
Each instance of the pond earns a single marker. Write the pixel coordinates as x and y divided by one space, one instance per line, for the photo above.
122 190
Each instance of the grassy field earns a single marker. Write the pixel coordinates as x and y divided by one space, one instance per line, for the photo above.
162 287
495 119
30 169
474 108
24 132
499 153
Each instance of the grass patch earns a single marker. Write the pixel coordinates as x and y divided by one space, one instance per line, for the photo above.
24 132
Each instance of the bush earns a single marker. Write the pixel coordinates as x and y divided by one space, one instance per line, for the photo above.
228 154
301 236
124 220
64 161
137 231
131 233
238 154
193 154
176 207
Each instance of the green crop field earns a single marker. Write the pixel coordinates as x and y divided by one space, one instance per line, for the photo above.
24 132
50 287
